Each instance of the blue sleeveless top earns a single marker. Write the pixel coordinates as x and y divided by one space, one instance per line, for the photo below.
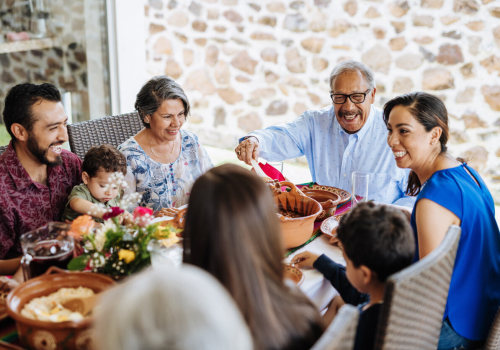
474 294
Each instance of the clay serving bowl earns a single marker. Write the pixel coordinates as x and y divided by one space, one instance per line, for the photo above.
297 213
328 201
36 334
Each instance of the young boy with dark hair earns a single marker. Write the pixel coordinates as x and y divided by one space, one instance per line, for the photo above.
97 193
377 241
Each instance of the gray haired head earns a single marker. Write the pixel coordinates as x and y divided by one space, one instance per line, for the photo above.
349 66
154 92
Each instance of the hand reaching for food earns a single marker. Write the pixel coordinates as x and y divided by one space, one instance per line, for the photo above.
7 284
305 259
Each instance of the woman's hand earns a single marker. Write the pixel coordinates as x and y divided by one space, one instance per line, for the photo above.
305 259
333 309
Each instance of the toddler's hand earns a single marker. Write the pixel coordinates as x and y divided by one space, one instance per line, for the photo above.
305 259
128 218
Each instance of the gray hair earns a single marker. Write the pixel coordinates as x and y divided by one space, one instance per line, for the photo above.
349 66
176 309
154 92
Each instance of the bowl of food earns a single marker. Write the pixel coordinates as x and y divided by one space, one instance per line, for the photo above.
296 213
293 273
41 320
328 200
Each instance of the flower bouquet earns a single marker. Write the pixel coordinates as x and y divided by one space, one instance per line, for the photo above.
116 249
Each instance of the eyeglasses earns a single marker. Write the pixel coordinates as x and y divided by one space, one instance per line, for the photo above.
358 97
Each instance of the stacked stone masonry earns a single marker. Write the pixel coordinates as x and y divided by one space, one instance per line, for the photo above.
250 64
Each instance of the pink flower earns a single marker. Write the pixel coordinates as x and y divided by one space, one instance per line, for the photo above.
142 211
115 211
142 216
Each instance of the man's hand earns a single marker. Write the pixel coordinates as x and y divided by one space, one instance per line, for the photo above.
305 259
248 149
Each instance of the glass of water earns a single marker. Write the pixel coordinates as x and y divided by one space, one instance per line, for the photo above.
360 181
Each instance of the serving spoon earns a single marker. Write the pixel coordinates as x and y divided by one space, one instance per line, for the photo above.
83 305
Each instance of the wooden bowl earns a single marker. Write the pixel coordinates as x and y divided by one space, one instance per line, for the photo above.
296 230
36 334
328 201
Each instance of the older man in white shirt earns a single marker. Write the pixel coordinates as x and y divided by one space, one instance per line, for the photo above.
348 136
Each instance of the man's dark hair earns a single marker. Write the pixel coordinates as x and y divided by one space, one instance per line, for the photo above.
379 237
106 157
21 98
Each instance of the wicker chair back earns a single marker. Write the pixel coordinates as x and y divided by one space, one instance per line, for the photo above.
493 340
412 314
341 333
112 129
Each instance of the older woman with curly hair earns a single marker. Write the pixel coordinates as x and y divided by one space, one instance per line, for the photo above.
163 160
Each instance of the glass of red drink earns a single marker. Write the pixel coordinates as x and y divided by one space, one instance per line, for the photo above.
49 245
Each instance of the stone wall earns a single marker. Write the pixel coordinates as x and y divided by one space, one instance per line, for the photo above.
63 62
250 64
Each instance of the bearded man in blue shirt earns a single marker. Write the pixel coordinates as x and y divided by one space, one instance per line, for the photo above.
348 136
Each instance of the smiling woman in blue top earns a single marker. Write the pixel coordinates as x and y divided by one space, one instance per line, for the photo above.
449 193
350 135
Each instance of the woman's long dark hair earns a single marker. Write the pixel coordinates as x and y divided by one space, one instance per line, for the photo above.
232 231
429 111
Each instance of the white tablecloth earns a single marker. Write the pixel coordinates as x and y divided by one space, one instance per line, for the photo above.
314 285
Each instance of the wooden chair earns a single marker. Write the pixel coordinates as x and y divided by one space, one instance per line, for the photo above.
493 340
412 314
341 333
113 130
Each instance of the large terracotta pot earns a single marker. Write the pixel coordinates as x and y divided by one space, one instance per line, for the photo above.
295 230
36 334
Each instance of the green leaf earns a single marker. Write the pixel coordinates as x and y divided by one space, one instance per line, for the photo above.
78 263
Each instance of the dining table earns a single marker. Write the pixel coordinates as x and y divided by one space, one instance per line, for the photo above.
314 285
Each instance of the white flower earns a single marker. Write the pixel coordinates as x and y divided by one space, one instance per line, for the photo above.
100 235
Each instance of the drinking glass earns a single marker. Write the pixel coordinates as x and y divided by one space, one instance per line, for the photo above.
360 181
162 255
49 245
277 165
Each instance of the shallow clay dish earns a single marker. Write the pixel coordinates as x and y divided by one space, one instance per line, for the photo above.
329 226
295 230
344 195
293 274
36 334
328 200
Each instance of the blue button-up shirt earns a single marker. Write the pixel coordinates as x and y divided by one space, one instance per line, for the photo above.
333 154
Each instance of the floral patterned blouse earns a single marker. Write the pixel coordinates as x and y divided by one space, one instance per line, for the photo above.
165 185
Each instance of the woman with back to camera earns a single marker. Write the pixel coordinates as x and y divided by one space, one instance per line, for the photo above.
449 193
232 231
180 309
163 160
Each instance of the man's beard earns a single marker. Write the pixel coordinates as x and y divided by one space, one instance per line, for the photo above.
41 154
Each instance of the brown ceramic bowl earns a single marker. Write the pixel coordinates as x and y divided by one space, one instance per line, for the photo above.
36 334
296 230
328 201
293 274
